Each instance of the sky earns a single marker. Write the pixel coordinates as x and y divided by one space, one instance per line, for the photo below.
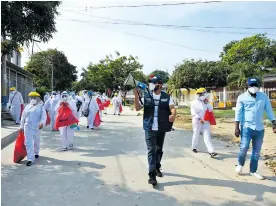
156 48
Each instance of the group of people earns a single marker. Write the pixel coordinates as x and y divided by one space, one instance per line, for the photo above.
160 113
34 116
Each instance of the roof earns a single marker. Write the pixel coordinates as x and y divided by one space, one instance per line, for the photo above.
19 69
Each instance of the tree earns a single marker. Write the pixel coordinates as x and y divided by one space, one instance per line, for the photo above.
194 74
41 65
24 20
257 49
227 47
162 74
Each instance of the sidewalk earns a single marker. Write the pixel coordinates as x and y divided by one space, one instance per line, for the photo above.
8 133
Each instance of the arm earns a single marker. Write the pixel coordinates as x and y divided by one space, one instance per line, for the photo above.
43 118
194 112
137 104
269 110
173 110
21 99
239 113
24 114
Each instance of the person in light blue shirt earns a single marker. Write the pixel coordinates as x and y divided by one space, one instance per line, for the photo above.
249 114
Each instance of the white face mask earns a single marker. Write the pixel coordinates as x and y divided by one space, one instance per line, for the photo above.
65 99
151 86
33 101
202 98
253 90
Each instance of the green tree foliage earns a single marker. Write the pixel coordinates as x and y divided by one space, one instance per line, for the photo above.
162 74
41 65
21 21
110 73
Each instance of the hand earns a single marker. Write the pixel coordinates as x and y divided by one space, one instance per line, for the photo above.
9 107
171 118
40 126
237 132
20 129
274 128
201 121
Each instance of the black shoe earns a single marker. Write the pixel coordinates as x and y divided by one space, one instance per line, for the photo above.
92 128
152 179
213 154
87 127
36 156
29 163
194 150
159 173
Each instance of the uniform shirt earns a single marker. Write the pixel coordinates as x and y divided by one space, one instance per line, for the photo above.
15 98
33 116
250 111
199 108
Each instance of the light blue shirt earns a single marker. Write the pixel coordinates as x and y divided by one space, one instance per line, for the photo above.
250 111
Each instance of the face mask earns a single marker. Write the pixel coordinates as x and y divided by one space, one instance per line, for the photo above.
33 101
253 90
202 98
151 86
65 99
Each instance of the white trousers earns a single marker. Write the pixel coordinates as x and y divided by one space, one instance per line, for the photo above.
105 110
116 109
101 114
53 118
206 130
15 113
90 119
67 136
32 142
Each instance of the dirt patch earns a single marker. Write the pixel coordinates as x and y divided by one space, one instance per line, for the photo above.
224 130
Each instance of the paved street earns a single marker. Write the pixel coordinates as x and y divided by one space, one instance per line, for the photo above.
109 167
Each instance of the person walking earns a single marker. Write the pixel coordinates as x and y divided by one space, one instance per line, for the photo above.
14 104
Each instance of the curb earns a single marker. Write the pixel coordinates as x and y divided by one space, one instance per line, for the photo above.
6 141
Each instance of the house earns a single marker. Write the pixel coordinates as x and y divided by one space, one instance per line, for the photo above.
13 75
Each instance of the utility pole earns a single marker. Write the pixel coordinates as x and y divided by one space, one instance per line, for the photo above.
33 45
4 80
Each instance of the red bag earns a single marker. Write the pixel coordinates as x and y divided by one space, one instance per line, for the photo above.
65 117
48 121
99 102
209 116
20 151
121 108
97 120
107 103
22 108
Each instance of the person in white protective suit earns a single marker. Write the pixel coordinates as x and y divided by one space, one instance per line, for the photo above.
78 101
116 102
50 106
198 109
14 104
46 97
104 98
32 121
93 107
67 133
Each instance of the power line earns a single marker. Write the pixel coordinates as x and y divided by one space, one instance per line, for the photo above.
38 46
149 38
152 5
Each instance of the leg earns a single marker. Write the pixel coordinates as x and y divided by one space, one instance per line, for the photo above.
257 141
70 136
90 120
53 119
207 137
197 126
151 145
115 109
63 135
37 142
29 143
17 113
246 135
159 148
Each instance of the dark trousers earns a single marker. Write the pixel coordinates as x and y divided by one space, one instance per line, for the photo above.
155 141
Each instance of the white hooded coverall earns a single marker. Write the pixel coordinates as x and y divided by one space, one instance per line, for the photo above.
116 102
50 106
198 109
93 109
15 101
66 133
32 117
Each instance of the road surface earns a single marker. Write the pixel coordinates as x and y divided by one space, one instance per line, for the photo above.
109 167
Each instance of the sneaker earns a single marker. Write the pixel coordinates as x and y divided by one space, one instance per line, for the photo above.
64 149
92 128
159 173
260 177
36 156
239 169
152 179
87 127
194 150
71 146
29 163
213 154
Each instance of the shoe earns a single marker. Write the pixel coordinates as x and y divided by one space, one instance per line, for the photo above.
194 150
260 177
87 127
29 163
114 114
119 114
159 173
64 149
152 179
213 154
239 169
36 156
92 128
71 146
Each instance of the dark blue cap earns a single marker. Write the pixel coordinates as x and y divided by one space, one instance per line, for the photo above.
253 80
155 80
